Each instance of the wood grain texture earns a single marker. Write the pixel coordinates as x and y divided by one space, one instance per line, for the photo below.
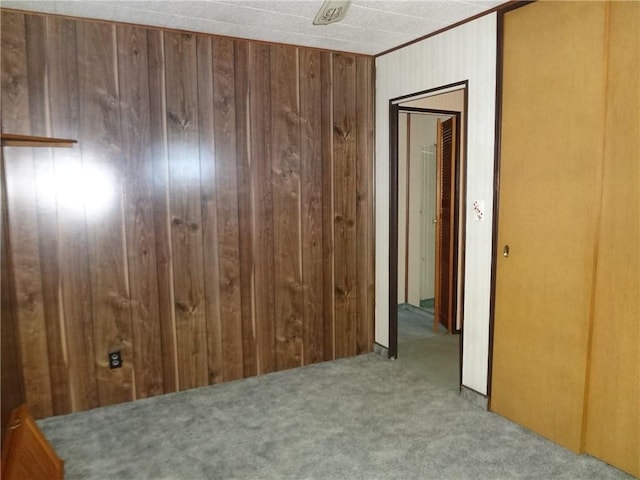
161 214
311 204
286 206
209 210
102 173
227 198
22 206
10 364
138 210
262 219
213 253
328 227
46 216
27 453
344 171
76 314
245 206
186 209
22 212
365 299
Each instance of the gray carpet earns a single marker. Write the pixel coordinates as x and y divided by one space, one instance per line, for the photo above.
358 418
434 356
415 323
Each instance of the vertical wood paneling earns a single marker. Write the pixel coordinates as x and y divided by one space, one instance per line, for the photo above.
101 172
245 206
185 205
22 210
33 347
46 215
364 205
161 217
227 200
138 210
235 238
10 364
262 220
344 171
286 206
73 254
311 204
209 209
328 227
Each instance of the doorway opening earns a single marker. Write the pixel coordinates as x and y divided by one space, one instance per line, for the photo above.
427 235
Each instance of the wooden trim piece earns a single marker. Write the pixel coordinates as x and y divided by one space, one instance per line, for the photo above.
17 140
496 196
505 7
434 91
459 230
393 230
406 212
427 111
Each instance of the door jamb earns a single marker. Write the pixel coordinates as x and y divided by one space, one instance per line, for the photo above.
394 109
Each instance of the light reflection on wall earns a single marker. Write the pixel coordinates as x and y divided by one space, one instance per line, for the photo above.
79 189
185 164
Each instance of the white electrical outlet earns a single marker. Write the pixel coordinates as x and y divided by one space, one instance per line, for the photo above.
478 210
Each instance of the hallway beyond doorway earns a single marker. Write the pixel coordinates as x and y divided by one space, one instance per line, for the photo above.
433 356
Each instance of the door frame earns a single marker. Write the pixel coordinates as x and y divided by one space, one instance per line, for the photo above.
460 192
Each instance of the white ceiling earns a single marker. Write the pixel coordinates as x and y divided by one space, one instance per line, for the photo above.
371 26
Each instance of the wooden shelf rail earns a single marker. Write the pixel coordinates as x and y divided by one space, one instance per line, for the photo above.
15 140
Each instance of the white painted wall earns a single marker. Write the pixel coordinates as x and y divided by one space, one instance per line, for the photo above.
468 53
427 241
417 261
422 200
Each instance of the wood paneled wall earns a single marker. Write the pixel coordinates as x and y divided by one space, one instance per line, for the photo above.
12 389
214 222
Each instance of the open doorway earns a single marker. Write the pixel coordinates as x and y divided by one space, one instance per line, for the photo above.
427 141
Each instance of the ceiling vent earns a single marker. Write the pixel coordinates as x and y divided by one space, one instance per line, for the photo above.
332 11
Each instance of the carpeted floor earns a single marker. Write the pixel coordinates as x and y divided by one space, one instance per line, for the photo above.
415 323
435 356
358 418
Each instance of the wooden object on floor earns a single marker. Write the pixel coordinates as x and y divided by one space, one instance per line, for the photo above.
26 453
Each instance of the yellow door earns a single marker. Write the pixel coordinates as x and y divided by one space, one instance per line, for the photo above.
612 426
550 170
